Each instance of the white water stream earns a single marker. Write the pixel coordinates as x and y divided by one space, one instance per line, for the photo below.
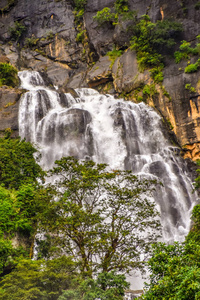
122 134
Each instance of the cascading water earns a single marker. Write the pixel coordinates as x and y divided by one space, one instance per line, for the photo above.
107 130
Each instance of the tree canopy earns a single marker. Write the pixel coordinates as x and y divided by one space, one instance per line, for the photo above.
175 269
17 163
105 220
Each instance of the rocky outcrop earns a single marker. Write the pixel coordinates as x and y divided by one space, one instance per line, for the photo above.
50 44
9 104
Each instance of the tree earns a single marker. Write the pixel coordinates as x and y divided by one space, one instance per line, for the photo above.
17 163
107 286
40 279
104 220
20 212
8 75
175 269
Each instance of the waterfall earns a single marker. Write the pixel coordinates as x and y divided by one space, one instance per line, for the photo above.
120 133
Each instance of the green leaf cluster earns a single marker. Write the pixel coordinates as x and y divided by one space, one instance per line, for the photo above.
22 200
108 286
17 31
40 279
8 75
17 164
113 55
98 216
105 15
121 10
175 269
151 39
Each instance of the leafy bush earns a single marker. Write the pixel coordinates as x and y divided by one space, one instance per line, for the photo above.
150 39
157 74
31 42
121 6
186 51
192 68
17 31
105 15
113 55
80 4
17 164
8 75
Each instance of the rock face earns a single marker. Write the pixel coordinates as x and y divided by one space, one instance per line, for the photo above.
9 104
72 51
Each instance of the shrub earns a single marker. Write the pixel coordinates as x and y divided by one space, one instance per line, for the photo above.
17 31
186 51
121 6
79 4
151 39
113 55
31 42
192 68
105 15
157 74
8 75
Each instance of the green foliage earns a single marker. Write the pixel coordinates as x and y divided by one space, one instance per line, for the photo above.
151 39
193 67
80 4
101 215
121 6
149 90
185 51
17 164
31 42
113 55
17 31
194 234
175 272
175 269
42 280
157 74
80 36
20 212
197 5
105 15
120 10
8 75
108 286
190 88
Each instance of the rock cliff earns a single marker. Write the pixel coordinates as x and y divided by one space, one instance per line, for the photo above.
62 39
